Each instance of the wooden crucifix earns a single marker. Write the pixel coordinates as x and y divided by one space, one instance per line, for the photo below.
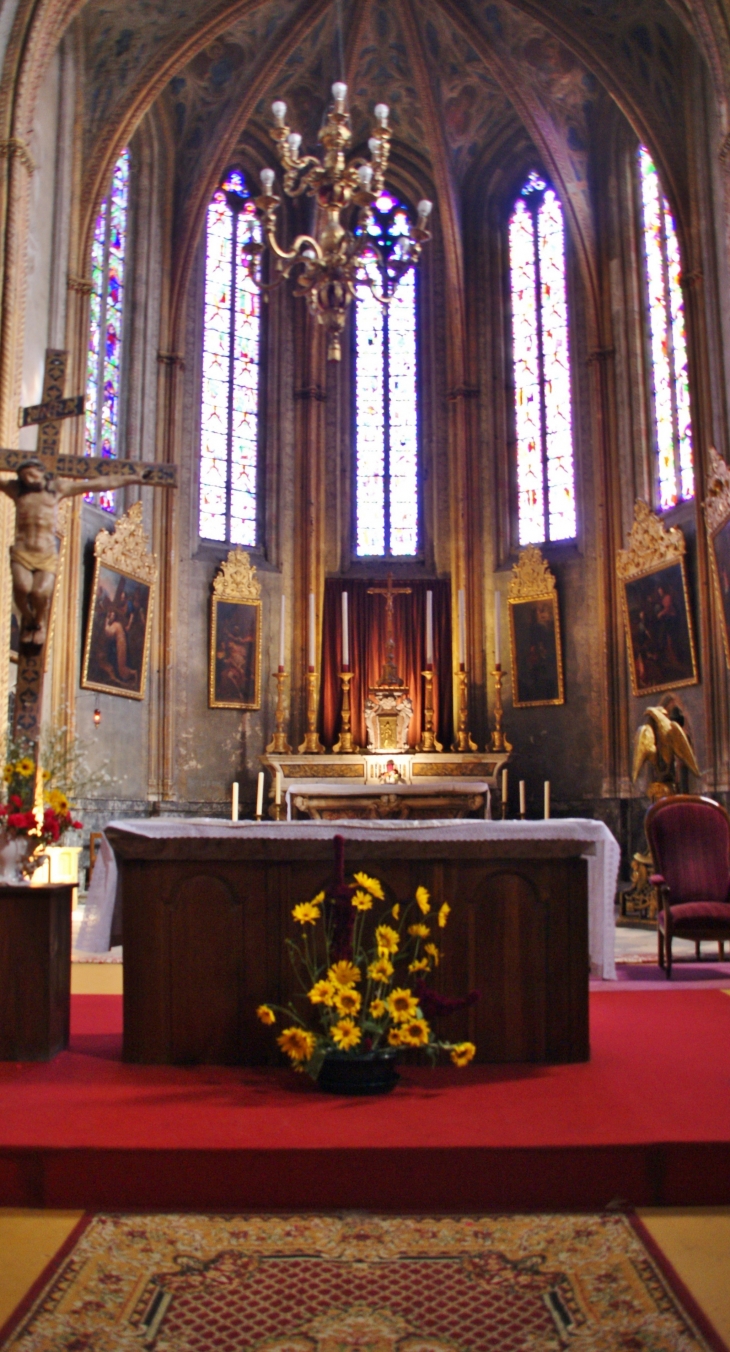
41 481
390 677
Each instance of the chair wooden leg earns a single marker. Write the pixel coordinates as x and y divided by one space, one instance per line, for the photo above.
721 949
698 955
668 943
660 942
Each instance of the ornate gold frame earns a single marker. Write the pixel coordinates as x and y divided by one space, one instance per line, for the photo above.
532 580
235 583
717 515
126 551
652 547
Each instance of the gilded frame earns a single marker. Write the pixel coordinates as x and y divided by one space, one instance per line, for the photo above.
717 522
235 604
532 601
655 557
126 556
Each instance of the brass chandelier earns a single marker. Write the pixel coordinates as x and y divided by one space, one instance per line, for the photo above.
333 261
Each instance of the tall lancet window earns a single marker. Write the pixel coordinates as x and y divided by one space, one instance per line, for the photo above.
105 329
667 341
229 429
541 351
386 397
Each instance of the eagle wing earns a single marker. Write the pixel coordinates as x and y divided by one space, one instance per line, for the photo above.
672 734
644 748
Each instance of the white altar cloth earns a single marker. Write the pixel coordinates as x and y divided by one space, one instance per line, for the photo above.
602 855
336 788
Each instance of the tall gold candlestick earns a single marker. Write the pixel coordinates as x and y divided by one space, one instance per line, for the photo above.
311 744
463 736
279 743
345 745
498 740
428 741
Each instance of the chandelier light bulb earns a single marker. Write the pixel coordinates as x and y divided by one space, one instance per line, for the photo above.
374 147
424 209
381 113
278 108
267 180
339 94
97 716
365 174
295 141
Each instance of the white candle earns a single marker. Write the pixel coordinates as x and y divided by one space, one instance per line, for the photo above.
429 628
504 784
282 631
260 794
345 632
547 798
497 628
234 802
522 798
312 627
277 789
462 629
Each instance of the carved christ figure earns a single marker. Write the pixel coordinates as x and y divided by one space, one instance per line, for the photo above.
36 493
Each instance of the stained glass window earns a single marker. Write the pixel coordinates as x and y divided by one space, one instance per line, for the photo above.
386 403
667 341
105 329
230 396
541 352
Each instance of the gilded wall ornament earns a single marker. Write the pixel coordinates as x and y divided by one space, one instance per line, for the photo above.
116 652
235 635
655 604
717 521
237 580
534 632
650 544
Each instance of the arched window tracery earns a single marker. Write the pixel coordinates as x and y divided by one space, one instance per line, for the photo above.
229 440
103 381
387 515
546 508
669 384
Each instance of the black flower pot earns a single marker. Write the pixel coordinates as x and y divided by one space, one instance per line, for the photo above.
364 1073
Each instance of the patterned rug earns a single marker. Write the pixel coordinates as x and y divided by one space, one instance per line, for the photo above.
358 1283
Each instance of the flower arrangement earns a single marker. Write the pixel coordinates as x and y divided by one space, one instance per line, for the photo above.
19 815
363 976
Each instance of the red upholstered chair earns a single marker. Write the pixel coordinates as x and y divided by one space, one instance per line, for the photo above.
689 838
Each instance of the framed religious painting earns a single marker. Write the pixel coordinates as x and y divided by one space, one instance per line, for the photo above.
717 521
655 601
116 651
534 633
235 636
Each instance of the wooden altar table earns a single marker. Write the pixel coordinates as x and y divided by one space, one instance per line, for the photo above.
35 971
207 904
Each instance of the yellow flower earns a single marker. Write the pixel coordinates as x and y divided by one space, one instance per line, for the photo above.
401 1004
317 901
421 965
362 901
394 1037
419 931
444 914
297 1043
348 1001
414 1033
346 1034
25 767
46 776
266 1014
382 970
462 1053
371 885
433 952
58 801
396 911
306 913
387 940
377 1009
423 897
322 993
8 772
344 974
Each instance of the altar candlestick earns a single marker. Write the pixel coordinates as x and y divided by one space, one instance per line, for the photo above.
497 628
282 629
234 802
345 631
462 629
429 628
522 798
312 627
260 795
547 798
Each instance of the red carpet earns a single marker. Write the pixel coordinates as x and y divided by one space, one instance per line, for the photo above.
647 1120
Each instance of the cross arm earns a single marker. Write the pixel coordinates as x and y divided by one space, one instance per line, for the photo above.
95 467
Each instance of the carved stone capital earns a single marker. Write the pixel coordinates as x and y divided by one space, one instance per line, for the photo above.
14 148
171 359
83 286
